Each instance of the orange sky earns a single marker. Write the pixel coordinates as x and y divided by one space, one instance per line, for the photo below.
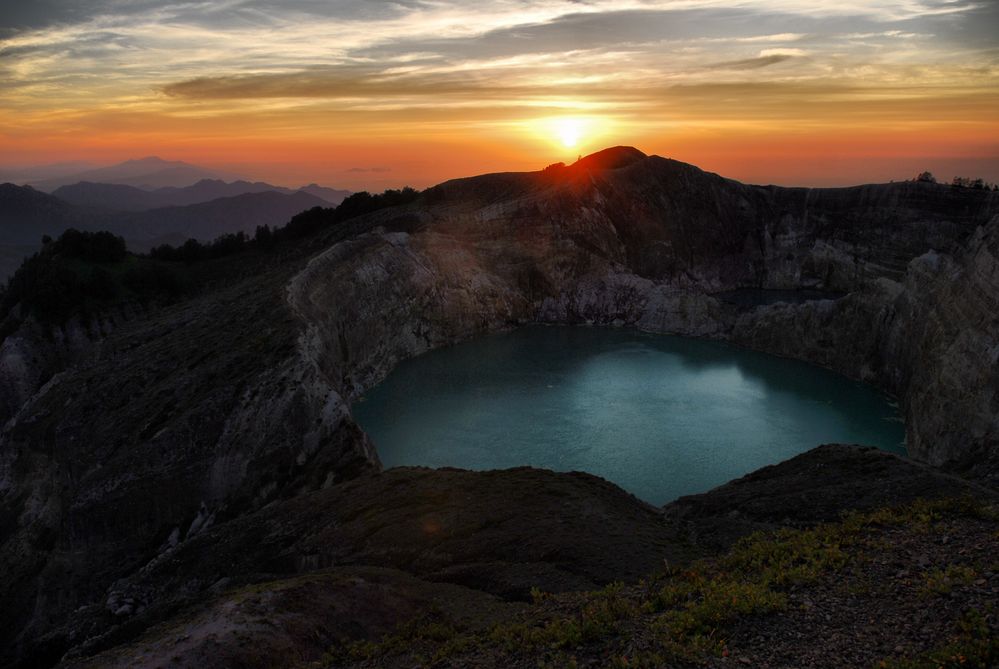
369 95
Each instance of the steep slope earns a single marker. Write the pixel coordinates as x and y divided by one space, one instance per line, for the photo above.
218 420
166 410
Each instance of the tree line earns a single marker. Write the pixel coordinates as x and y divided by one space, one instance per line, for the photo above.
960 182
84 272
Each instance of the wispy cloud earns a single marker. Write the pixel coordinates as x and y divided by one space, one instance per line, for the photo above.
751 63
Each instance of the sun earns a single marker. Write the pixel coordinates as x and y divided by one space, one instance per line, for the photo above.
569 131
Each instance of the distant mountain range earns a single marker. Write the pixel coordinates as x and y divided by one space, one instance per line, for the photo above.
140 216
145 173
120 197
160 183
149 201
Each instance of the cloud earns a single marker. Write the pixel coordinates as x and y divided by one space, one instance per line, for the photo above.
337 82
751 63
782 51
440 64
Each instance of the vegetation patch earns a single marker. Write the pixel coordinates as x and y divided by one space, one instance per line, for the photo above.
681 616
84 272
943 581
973 645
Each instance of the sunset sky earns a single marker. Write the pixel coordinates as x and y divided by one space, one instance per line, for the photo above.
364 94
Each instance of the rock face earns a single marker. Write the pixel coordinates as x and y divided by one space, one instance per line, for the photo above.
221 426
650 242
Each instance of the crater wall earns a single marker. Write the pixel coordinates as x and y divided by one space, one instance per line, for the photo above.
650 245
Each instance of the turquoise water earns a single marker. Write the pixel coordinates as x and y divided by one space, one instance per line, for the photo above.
660 416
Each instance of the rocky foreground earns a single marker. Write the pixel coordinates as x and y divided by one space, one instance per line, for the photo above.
450 568
185 486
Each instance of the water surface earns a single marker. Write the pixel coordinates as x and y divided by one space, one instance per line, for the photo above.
660 416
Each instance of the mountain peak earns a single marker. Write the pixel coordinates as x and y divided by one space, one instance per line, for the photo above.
149 160
612 158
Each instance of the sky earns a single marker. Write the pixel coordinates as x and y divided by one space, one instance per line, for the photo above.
370 94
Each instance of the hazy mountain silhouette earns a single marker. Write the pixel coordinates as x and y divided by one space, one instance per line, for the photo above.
331 195
147 173
26 214
109 196
208 220
120 197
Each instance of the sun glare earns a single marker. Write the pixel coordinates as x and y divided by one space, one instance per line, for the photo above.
569 130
